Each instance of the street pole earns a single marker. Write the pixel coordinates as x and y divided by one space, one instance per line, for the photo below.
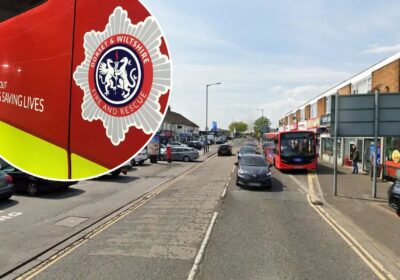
335 145
207 107
374 187
207 86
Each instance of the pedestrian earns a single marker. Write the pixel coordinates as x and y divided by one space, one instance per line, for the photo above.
355 157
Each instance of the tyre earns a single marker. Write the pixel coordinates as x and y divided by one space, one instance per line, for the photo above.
141 162
116 173
237 182
186 159
32 189
6 197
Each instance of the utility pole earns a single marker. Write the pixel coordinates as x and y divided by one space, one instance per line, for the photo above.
207 86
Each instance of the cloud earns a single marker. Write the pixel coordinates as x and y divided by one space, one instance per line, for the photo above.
377 49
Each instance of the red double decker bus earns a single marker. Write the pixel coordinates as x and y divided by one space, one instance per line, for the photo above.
291 150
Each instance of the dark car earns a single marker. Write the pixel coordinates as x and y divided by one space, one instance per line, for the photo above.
6 186
195 144
32 185
225 150
245 150
394 196
252 144
253 171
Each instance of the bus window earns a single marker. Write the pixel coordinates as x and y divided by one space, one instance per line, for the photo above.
11 8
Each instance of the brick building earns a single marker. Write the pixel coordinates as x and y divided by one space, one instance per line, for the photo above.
315 116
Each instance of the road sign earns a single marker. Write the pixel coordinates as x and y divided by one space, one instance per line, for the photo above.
356 115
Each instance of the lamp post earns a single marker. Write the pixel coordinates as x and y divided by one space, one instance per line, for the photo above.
207 86
262 112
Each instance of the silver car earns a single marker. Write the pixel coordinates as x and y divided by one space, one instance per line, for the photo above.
184 153
180 153
6 186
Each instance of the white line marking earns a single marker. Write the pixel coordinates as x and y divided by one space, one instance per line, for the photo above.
226 188
202 248
304 188
321 194
233 169
372 263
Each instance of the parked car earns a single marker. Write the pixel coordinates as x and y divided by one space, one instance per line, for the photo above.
220 141
32 185
253 171
195 144
394 196
177 144
140 158
225 150
182 153
6 186
246 150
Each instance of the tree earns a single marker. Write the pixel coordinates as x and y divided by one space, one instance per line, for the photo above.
238 127
261 125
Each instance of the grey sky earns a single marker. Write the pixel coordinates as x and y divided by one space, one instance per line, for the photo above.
273 55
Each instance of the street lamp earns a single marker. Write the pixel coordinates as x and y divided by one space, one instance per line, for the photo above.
207 86
262 112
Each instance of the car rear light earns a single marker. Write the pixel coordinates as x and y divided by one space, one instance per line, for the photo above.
9 179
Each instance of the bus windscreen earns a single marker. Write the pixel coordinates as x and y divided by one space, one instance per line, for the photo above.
297 144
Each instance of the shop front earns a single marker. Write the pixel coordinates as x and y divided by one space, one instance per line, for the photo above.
327 153
392 157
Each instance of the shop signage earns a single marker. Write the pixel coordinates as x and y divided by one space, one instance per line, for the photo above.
313 123
302 125
325 120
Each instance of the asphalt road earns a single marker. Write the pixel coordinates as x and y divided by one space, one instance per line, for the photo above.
31 225
275 234
258 233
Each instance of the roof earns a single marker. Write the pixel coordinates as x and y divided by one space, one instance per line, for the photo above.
176 118
356 78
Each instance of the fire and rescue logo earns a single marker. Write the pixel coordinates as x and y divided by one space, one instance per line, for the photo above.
123 76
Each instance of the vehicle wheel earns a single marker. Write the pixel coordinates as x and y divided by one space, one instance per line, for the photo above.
6 197
133 162
116 173
237 182
141 162
186 159
32 189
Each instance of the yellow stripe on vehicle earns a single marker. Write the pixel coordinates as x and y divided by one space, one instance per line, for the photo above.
83 168
30 153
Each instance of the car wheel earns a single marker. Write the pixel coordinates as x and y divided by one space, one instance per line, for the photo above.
237 182
6 197
141 162
32 189
186 159
116 173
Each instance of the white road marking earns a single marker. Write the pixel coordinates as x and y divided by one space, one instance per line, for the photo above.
298 183
226 188
233 169
371 262
321 194
30 274
6 217
202 248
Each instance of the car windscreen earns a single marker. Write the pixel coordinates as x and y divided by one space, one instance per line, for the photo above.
297 144
253 161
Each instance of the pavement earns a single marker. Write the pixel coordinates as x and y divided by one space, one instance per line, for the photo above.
370 217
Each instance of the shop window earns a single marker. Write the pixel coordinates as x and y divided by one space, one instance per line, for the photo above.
12 8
